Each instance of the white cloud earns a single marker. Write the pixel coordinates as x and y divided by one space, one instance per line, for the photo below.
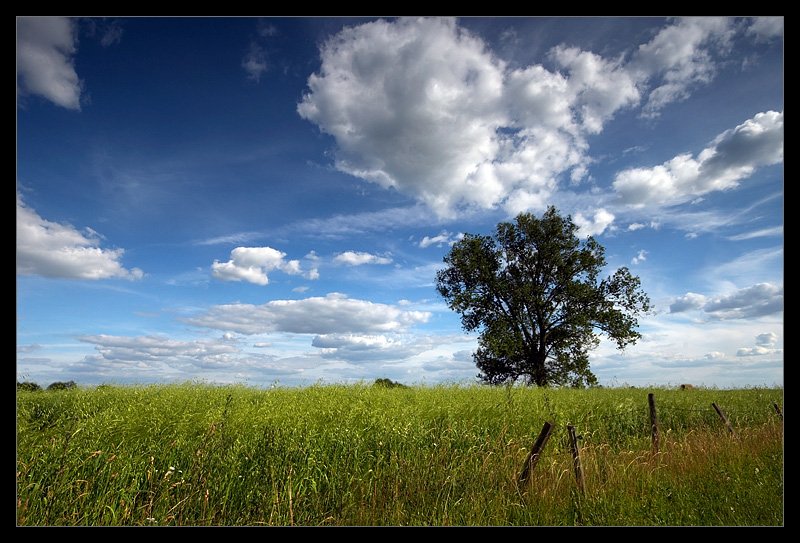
413 105
687 302
680 57
355 258
767 339
597 88
755 301
385 348
150 355
444 238
427 90
731 157
762 299
45 64
333 314
766 28
252 264
765 345
640 257
354 347
424 107
601 220
57 250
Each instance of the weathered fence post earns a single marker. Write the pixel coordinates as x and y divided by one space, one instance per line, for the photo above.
778 409
654 422
576 458
723 417
535 453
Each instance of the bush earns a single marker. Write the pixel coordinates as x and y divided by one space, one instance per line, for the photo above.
28 386
388 383
58 385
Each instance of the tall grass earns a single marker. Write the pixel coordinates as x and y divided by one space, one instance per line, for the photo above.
195 454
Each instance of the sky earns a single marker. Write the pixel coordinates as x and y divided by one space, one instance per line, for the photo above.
267 201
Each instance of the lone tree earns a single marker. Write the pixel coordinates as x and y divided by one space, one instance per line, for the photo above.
533 291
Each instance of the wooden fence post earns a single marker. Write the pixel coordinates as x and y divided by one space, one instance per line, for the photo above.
723 417
778 409
535 453
654 422
576 458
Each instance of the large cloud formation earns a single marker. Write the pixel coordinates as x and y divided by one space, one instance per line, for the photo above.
332 314
424 107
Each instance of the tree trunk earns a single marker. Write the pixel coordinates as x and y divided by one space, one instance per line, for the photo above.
537 370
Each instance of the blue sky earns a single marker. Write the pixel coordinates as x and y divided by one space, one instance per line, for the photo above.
267 201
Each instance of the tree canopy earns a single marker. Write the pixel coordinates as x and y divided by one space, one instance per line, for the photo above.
534 292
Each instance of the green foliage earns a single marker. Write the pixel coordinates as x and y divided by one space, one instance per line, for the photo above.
534 292
58 385
195 454
388 383
28 386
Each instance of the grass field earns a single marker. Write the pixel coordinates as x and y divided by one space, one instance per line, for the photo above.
364 455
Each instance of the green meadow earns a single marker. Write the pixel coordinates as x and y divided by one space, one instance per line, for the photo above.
376 454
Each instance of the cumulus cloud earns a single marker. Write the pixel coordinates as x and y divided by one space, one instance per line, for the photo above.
56 250
768 339
424 107
597 88
766 343
45 60
688 302
413 105
731 157
759 300
333 314
252 264
356 258
755 301
595 225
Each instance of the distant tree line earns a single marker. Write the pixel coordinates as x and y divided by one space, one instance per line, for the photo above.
30 386
58 385
388 383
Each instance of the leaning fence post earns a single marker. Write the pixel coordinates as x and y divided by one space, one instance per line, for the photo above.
723 417
654 422
778 409
576 458
535 453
